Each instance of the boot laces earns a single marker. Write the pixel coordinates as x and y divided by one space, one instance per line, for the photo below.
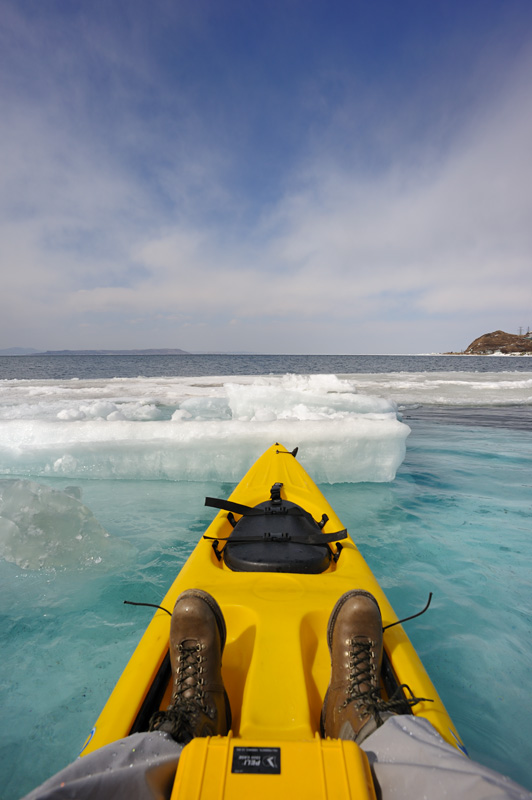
180 718
363 671
362 689
189 681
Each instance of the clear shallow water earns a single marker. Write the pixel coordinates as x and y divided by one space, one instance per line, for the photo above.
455 521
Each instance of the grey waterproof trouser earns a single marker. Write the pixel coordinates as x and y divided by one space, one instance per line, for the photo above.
408 759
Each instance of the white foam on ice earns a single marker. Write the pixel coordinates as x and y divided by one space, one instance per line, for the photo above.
41 528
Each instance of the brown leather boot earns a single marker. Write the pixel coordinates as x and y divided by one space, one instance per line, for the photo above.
354 634
200 706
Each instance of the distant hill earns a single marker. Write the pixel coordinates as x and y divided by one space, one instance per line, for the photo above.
18 351
500 342
152 352
160 351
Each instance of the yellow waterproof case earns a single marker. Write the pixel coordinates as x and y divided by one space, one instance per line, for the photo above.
216 768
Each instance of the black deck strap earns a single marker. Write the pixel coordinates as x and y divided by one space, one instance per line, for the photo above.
314 539
236 508
248 511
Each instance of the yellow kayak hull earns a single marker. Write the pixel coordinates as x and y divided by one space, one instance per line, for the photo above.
276 663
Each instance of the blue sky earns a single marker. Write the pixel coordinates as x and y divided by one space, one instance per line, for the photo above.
273 176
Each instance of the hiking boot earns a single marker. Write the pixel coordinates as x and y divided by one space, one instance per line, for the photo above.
353 706
199 706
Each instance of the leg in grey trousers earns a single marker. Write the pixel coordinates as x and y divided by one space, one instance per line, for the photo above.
141 766
408 758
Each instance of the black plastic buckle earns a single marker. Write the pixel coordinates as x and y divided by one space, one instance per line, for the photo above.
217 553
339 548
275 494
276 537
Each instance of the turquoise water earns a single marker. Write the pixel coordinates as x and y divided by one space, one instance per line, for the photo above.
456 521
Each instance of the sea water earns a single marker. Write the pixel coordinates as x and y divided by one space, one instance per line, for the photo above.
102 479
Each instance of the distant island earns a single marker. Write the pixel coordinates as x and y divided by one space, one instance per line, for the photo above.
18 351
26 351
169 351
508 344
155 351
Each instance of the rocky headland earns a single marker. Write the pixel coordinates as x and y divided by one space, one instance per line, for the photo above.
500 342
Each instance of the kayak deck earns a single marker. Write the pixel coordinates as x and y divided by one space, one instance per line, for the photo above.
276 663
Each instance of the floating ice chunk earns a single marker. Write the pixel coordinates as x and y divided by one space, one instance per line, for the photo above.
207 407
348 450
112 412
450 388
66 464
263 415
115 416
181 414
70 414
44 528
303 397
208 429
98 410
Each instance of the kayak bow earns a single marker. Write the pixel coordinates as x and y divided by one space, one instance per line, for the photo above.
276 582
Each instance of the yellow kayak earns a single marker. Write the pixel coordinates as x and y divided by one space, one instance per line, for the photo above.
276 588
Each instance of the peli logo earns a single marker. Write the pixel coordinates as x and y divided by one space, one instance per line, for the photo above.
257 760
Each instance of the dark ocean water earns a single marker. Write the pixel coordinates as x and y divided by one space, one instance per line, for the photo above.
97 366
